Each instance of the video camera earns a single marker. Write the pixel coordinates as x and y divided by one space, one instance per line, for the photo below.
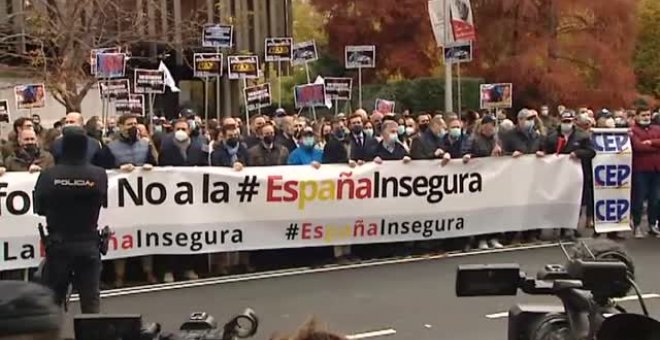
198 326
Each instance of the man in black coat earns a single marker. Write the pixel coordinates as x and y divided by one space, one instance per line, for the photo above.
336 149
361 147
566 140
390 148
230 152
429 143
179 149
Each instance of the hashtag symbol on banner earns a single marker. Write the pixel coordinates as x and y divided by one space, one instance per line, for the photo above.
292 231
248 188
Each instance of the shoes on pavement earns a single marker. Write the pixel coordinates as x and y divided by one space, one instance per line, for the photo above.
190 275
654 230
495 243
639 233
483 245
168 277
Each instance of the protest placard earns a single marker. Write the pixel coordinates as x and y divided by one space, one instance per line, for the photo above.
278 49
243 66
110 65
360 56
149 81
458 52
496 96
309 95
131 104
113 89
95 51
218 36
4 111
304 52
207 65
384 106
30 96
338 88
257 97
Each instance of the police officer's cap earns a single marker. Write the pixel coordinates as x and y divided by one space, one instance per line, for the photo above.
27 308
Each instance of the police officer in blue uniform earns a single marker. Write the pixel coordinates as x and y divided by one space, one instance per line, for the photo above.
70 196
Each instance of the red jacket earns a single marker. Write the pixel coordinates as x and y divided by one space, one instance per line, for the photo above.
646 157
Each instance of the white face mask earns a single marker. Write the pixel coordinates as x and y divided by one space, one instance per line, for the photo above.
410 131
181 136
566 127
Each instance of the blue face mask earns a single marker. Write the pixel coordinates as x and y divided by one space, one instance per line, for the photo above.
401 130
455 133
308 142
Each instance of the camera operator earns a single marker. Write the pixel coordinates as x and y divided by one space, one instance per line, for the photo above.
70 196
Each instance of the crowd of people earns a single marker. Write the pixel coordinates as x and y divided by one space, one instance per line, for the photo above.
128 142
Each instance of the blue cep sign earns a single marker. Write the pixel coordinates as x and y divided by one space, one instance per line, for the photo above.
612 210
612 175
610 141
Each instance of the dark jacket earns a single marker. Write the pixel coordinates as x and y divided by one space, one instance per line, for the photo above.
335 151
457 148
259 155
170 154
517 140
251 141
20 161
288 142
646 157
120 152
481 146
424 145
579 143
361 152
398 153
220 155
91 155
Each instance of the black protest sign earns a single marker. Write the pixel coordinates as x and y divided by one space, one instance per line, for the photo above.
131 104
207 65
149 81
218 36
243 66
338 88
304 52
4 111
113 89
257 97
278 49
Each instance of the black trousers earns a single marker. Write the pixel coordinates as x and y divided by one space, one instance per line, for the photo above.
79 263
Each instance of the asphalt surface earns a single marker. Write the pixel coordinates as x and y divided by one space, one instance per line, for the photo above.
416 299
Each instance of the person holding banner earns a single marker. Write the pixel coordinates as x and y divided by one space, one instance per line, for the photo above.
429 144
361 147
456 142
390 148
306 153
336 148
645 139
267 153
524 139
229 151
126 153
28 155
567 140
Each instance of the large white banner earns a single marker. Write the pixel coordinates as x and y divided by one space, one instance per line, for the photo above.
210 209
612 177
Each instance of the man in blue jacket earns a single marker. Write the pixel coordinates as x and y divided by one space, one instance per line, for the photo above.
306 153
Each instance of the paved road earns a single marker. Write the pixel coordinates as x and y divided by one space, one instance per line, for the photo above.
416 299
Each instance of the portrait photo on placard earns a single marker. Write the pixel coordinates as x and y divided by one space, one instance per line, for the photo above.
360 56
30 96
496 96
110 65
309 95
384 106
304 52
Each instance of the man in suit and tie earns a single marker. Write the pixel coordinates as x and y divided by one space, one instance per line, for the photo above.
361 148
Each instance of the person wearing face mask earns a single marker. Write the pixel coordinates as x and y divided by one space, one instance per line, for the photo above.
285 135
429 144
126 153
268 152
390 148
567 140
306 153
549 121
645 139
336 148
423 121
229 151
524 139
455 143
28 155
484 143
180 149
361 147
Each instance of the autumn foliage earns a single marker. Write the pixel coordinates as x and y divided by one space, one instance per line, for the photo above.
574 52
